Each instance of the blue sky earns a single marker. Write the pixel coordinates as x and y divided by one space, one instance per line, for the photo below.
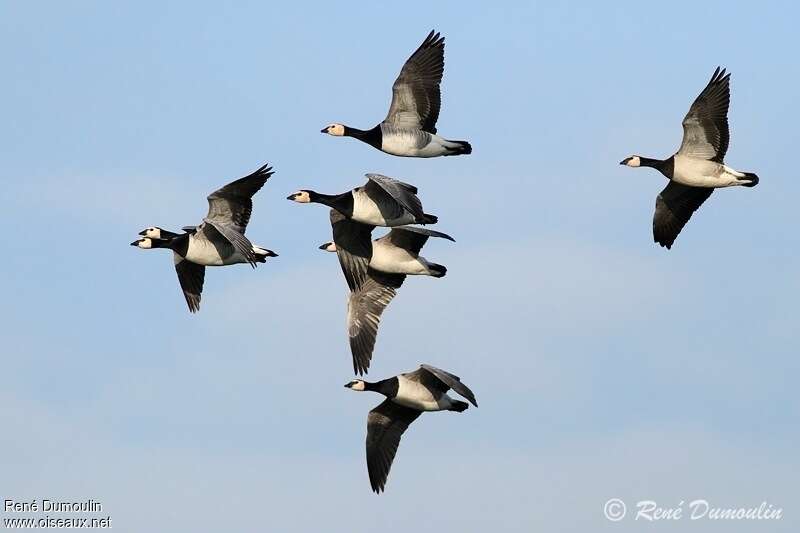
604 365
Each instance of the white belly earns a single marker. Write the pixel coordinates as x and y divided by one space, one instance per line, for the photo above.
393 260
700 173
202 252
412 143
412 394
366 211
399 144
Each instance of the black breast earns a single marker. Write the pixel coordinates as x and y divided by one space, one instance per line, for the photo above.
388 387
373 137
667 167
343 203
180 244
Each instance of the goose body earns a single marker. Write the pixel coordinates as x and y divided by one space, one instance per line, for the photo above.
406 142
411 393
390 258
376 210
409 129
216 251
694 172
218 241
374 270
201 246
407 395
698 167
395 260
382 201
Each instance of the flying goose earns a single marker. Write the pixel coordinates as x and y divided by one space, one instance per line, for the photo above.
409 129
374 270
219 240
698 167
383 201
407 396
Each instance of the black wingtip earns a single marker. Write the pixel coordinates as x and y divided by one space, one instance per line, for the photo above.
264 170
433 39
358 368
720 75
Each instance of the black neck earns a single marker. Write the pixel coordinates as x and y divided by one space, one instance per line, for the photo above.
652 163
664 166
387 387
178 243
161 243
341 202
372 137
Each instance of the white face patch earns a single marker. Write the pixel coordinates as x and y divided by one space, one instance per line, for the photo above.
337 130
328 247
153 232
358 385
634 161
145 243
301 197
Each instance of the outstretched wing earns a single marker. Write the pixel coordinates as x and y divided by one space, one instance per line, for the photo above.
191 277
385 426
674 207
232 204
705 127
404 194
364 309
416 97
412 238
353 242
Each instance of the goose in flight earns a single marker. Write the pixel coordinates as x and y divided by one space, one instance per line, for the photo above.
409 129
374 270
407 396
698 166
219 240
383 201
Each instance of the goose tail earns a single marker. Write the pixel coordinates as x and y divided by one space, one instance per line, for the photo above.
458 406
437 270
262 254
753 179
459 148
428 219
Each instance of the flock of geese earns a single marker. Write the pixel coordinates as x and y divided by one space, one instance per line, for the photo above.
375 269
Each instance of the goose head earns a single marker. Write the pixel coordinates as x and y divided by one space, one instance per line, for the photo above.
144 243
337 130
153 232
357 385
329 246
301 197
632 161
